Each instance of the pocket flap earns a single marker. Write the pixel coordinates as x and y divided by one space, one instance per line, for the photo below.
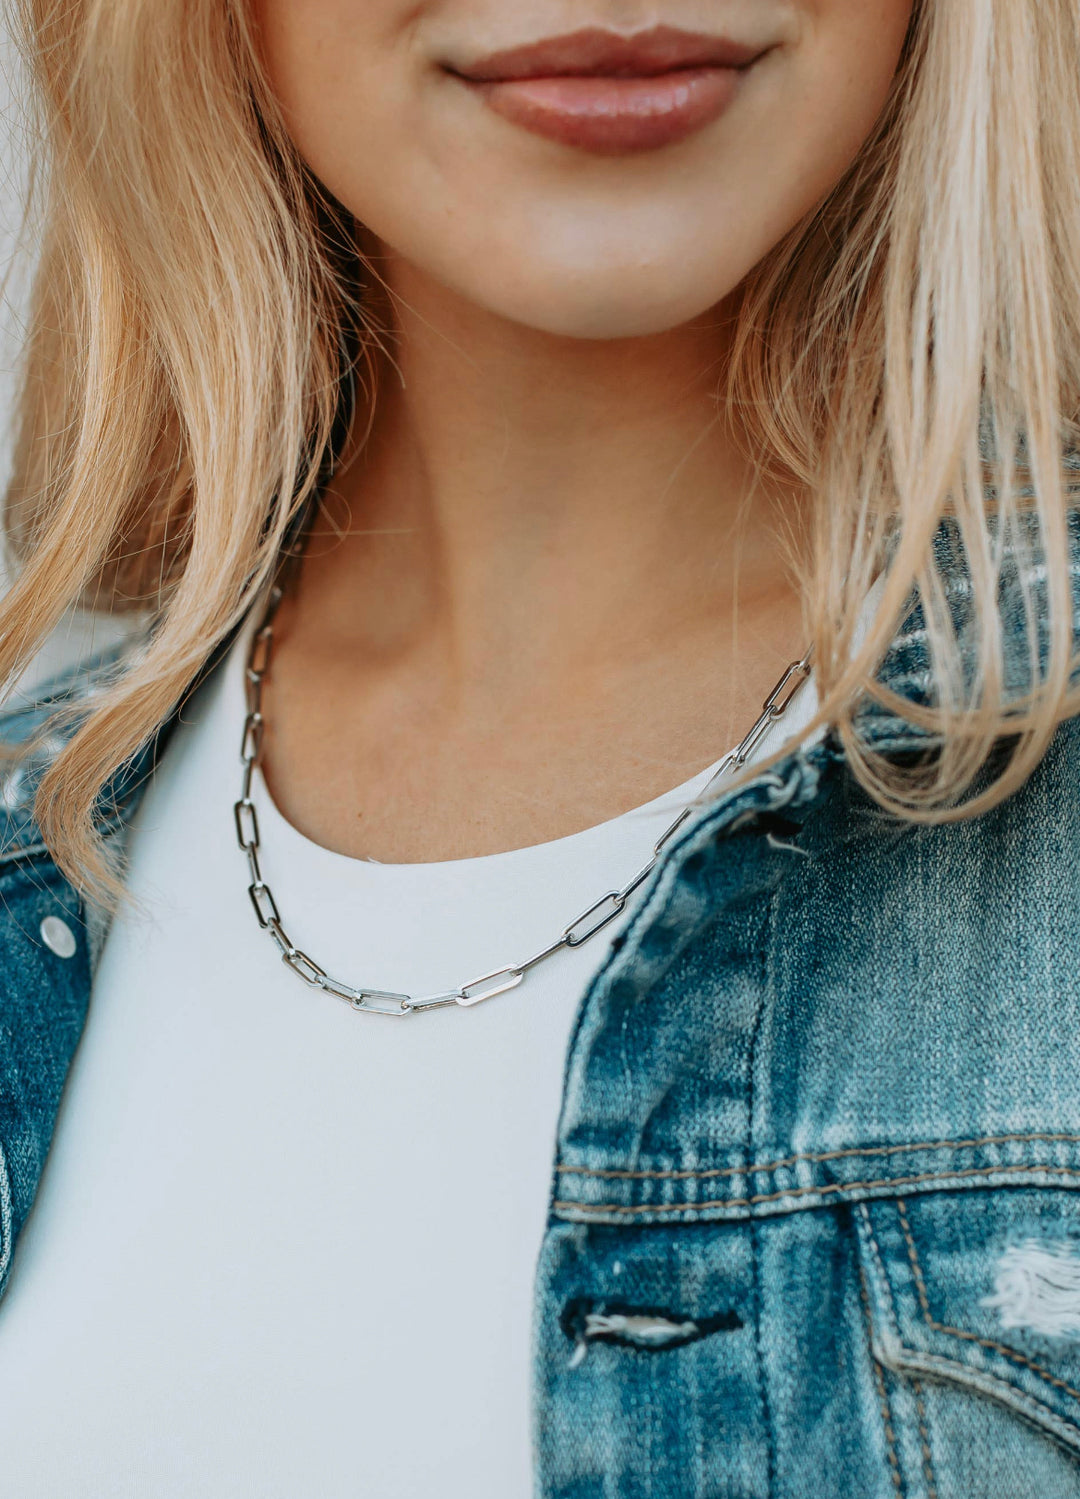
982 1288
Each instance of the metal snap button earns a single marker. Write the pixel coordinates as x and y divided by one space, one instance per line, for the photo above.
58 937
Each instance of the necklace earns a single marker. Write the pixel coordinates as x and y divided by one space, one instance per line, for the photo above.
586 925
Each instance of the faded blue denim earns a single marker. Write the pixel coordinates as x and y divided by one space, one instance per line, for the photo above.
824 1085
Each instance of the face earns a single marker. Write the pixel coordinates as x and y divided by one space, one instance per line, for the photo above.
592 168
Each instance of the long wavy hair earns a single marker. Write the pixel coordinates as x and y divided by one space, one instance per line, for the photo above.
910 352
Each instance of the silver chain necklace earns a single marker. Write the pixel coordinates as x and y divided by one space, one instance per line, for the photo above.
586 925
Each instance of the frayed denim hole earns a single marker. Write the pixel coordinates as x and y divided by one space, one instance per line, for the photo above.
642 1329
761 823
1037 1289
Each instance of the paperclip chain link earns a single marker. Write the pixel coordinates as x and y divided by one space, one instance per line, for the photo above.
586 925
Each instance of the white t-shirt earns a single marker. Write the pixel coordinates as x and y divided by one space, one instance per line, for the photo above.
280 1249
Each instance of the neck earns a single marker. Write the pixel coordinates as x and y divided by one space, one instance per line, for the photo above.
526 500
527 623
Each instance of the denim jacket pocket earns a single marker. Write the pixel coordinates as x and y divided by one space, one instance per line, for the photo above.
980 1289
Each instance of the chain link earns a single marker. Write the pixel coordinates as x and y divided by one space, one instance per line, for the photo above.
584 927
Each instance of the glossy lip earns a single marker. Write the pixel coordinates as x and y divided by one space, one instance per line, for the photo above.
611 94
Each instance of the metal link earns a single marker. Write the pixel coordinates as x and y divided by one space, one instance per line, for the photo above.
753 739
251 744
443 1001
376 1001
488 989
280 936
666 836
614 900
542 955
377 995
253 691
342 991
259 659
306 967
372 1002
796 674
581 930
262 898
723 769
639 879
247 824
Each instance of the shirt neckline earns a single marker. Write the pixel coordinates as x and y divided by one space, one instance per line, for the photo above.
654 815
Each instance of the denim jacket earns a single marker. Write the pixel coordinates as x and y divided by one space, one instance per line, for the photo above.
814 1229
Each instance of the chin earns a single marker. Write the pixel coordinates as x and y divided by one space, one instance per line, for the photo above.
648 268
601 300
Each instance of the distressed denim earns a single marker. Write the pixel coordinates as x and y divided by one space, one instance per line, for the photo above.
815 1224
829 1081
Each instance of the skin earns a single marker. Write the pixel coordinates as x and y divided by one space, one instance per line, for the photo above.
559 591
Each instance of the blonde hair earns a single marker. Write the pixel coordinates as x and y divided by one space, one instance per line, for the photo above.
913 342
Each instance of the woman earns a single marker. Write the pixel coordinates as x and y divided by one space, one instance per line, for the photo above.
477 406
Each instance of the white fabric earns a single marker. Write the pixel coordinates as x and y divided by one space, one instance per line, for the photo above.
281 1249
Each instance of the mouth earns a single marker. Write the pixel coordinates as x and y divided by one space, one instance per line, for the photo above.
613 95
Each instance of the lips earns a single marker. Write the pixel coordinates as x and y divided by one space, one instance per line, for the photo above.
611 94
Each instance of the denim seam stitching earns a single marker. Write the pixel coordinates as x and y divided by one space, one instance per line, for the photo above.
876 1255
959 1332
1030 1408
924 1442
936 1363
755 1248
818 1156
890 1429
766 1403
828 1189
883 1394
